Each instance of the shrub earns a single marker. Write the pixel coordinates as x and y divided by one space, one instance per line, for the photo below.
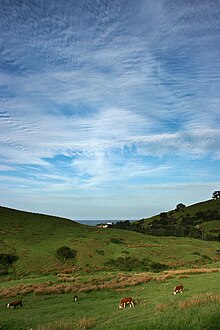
129 263
101 252
205 257
196 253
116 240
157 267
7 259
125 252
64 252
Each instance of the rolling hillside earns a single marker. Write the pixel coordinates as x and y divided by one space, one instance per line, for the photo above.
33 240
209 205
201 220
110 263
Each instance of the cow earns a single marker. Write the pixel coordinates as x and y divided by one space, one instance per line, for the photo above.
126 301
178 288
14 304
75 298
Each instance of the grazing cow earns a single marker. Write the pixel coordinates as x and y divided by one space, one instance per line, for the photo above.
126 301
75 298
178 288
14 304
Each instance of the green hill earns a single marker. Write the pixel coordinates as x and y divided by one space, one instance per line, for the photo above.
33 240
109 264
201 220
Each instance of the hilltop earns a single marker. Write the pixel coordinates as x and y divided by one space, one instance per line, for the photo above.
200 220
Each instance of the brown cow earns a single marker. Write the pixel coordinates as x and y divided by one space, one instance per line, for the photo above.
126 301
178 288
14 304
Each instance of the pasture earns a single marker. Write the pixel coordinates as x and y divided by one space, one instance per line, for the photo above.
156 306
110 264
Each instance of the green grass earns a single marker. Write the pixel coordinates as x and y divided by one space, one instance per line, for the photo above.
35 239
191 210
38 276
211 226
156 307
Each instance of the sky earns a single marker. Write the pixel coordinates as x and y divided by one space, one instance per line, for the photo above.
109 109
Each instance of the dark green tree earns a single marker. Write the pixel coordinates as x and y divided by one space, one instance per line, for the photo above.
216 195
180 206
64 253
7 259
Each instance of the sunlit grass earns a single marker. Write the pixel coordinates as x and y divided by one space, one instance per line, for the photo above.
155 305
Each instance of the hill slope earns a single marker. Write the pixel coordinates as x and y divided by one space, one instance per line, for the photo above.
201 220
35 238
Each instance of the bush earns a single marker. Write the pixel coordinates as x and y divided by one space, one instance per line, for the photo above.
125 252
157 267
101 252
205 257
64 252
7 259
129 263
116 240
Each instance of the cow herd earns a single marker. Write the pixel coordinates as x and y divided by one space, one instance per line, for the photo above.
127 301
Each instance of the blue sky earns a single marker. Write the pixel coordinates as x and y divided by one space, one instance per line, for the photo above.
109 109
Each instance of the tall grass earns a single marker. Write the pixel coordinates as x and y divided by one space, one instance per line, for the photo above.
156 307
86 323
122 280
199 300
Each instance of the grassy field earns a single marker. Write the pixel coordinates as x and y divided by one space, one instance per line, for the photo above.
47 285
156 306
211 226
35 238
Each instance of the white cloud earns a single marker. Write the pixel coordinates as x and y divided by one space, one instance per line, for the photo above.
124 91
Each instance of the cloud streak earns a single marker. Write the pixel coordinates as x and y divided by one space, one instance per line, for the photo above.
98 94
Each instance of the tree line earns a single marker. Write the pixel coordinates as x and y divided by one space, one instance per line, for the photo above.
169 224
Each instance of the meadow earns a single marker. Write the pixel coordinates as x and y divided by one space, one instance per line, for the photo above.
110 264
155 305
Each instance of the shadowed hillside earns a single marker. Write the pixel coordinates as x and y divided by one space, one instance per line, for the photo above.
201 221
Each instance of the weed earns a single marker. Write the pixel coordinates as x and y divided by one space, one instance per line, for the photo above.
86 323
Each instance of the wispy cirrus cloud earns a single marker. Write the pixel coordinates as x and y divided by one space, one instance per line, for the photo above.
96 95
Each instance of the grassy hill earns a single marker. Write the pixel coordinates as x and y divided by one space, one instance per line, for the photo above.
110 263
209 205
201 220
35 238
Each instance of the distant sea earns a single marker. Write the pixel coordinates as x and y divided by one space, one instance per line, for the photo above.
97 222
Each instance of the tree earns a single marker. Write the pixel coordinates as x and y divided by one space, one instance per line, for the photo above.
7 259
216 194
180 206
163 215
64 252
